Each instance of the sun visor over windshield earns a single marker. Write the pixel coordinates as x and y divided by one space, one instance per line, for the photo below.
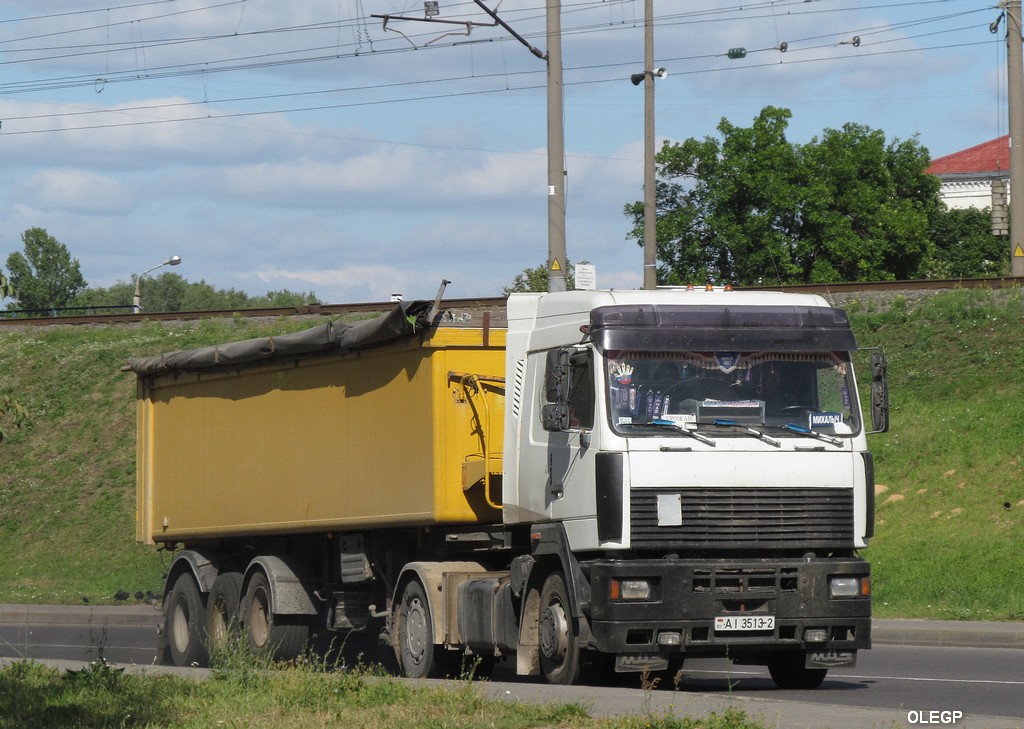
645 327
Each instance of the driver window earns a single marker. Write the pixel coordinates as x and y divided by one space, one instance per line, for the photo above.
581 391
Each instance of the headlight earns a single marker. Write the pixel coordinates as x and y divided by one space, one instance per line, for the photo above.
849 587
630 590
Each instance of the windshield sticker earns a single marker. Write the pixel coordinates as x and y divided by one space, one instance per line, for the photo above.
731 404
680 418
727 361
825 419
623 373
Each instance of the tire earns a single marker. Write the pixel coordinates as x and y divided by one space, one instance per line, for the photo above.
222 610
279 637
185 623
559 640
789 672
416 652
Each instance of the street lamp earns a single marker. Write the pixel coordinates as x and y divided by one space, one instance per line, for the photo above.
136 307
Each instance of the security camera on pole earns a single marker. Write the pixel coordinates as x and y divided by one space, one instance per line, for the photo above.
650 183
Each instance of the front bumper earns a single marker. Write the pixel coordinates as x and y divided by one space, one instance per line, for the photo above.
687 595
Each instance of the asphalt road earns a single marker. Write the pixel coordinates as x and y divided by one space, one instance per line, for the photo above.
920 673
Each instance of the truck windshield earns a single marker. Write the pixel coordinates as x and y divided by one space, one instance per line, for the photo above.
812 390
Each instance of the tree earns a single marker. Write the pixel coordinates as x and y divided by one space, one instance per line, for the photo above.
963 246
753 207
44 276
10 411
872 207
171 292
6 289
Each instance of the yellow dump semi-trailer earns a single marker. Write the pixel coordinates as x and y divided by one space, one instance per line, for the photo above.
393 434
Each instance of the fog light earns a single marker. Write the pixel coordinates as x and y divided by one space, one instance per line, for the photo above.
670 638
630 590
844 586
816 635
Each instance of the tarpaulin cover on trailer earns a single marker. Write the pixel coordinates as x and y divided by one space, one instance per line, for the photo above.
405 320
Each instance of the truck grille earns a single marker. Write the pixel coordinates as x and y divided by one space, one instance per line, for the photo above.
744 518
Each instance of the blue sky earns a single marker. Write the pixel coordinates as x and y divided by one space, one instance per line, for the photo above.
303 145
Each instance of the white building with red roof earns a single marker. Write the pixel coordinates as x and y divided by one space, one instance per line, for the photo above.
968 176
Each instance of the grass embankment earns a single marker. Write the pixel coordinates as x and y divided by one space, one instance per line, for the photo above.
951 492
950 476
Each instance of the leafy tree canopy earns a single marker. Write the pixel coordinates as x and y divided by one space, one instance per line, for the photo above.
750 206
963 246
6 289
171 292
45 276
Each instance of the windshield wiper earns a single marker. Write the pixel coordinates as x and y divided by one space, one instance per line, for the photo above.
748 430
675 427
812 433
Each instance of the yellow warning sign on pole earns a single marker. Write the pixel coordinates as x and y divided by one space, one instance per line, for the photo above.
556 266
1018 252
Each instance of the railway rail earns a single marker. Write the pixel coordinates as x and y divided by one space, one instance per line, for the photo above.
486 303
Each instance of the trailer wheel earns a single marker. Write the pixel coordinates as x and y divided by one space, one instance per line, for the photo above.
789 672
415 648
222 607
278 636
185 620
559 639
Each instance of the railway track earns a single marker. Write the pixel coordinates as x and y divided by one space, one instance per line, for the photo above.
486 303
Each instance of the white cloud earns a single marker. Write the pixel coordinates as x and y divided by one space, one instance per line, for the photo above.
61 191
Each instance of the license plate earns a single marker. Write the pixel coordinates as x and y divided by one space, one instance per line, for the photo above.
741 623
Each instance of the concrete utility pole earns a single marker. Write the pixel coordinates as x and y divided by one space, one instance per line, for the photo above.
650 184
1015 96
557 263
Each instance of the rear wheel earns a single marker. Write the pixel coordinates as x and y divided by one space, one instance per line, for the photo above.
185 623
222 608
281 637
558 638
789 672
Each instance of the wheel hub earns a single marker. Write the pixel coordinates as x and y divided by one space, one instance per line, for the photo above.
416 639
554 633
180 627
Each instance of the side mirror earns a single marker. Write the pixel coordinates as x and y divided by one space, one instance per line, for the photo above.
555 414
556 376
879 393
556 417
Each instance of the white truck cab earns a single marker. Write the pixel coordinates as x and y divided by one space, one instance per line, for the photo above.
701 460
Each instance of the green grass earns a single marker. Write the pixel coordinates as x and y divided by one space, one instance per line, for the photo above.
950 473
303 696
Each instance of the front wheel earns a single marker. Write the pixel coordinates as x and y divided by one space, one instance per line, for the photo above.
558 637
415 649
789 672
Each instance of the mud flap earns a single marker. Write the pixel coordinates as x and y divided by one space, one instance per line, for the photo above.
831 659
638 662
